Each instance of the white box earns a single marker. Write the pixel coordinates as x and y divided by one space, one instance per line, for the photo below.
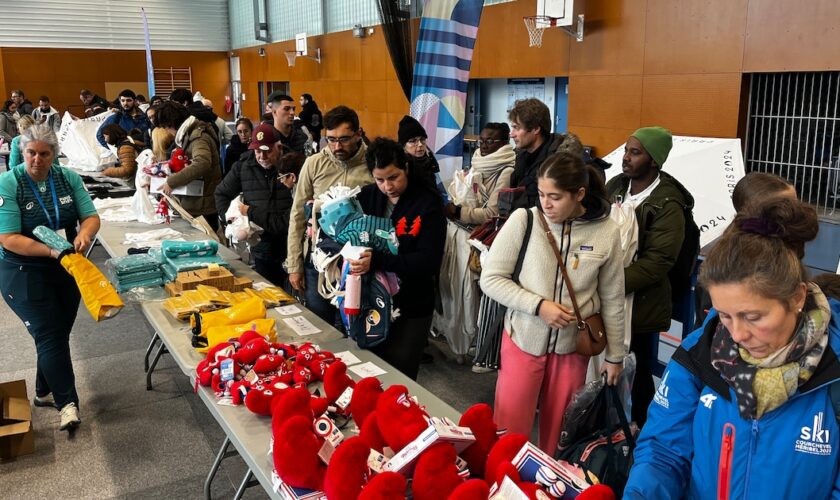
193 188
440 429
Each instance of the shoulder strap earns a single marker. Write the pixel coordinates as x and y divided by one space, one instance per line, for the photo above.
834 395
521 258
553 243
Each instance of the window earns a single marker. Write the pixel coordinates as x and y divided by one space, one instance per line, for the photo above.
793 132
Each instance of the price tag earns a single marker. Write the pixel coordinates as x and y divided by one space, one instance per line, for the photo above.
226 372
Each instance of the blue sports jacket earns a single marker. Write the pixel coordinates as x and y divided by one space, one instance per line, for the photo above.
141 122
695 444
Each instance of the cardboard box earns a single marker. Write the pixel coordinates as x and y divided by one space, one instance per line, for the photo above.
16 434
189 280
193 188
241 283
440 429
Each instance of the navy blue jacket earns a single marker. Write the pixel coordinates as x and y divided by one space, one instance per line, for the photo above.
140 121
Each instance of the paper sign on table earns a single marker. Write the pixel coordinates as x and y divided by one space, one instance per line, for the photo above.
367 370
288 310
260 285
348 358
301 326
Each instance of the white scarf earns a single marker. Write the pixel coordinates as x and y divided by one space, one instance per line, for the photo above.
490 165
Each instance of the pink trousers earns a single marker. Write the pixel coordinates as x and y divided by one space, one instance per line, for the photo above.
524 380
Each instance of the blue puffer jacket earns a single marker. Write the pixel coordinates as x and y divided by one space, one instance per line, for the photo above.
696 445
140 121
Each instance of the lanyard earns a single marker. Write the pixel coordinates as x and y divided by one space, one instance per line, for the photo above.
53 226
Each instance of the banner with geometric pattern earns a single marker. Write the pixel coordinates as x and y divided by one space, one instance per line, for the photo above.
441 74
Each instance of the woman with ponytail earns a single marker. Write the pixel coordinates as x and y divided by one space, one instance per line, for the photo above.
539 362
746 408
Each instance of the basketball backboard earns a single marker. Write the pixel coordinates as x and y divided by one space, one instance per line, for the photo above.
561 10
300 44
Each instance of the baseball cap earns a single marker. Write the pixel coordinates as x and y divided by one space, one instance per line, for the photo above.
263 137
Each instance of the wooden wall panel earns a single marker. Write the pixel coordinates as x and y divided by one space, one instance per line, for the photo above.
694 37
614 39
603 139
792 36
501 49
3 94
703 105
61 73
595 101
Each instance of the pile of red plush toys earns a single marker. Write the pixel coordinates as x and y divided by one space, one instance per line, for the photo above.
391 457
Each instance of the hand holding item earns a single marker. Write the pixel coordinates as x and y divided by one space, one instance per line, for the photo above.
362 264
555 315
297 282
81 243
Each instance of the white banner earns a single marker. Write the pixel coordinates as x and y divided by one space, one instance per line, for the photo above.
709 168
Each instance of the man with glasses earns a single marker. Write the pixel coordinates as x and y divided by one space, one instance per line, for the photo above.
342 162
266 199
282 108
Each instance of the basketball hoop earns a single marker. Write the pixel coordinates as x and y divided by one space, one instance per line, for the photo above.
536 25
291 55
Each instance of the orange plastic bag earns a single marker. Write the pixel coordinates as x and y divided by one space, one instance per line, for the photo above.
99 296
218 334
245 311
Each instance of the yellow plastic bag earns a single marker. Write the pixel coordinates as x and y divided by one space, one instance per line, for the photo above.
218 334
99 296
243 312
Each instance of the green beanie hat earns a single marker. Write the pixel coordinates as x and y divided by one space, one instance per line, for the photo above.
656 141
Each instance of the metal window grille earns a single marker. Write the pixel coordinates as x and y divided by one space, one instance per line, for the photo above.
793 131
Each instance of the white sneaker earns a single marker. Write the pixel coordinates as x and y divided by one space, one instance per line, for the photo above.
69 417
482 369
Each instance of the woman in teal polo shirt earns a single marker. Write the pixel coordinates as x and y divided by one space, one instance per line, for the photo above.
34 285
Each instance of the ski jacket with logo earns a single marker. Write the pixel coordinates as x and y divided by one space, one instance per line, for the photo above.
695 444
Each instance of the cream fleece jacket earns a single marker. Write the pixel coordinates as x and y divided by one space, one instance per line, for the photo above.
320 172
593 257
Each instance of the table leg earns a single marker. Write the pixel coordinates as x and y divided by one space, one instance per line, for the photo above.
155 339
247 482
223 454
160 351
92 244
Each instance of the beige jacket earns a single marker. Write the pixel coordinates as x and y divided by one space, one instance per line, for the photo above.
320 172
594 261
495 170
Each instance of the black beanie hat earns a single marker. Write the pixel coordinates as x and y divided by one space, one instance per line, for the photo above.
409 129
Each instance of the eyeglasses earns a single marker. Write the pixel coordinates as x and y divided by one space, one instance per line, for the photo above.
416 140
488 142
344 140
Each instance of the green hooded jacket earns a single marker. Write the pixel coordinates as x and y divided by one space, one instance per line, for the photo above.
661 219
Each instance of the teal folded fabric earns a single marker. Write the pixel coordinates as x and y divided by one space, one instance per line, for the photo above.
130 264
51 239
176 249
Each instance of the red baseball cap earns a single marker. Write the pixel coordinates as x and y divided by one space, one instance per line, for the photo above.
263 137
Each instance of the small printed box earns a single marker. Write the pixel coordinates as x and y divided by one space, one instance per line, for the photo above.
289 493
569 479
440 429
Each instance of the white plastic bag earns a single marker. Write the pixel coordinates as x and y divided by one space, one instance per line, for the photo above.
466 189
239 228
77 141
141 178
142 206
